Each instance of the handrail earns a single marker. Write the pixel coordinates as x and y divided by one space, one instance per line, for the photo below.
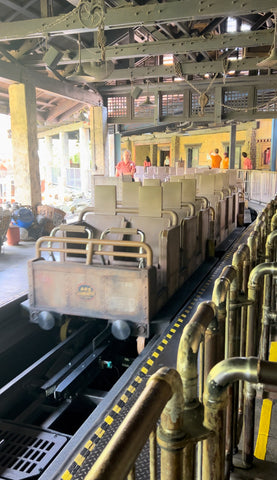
118 457
237 289
90 251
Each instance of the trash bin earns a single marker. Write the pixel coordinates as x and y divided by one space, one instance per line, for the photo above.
13 235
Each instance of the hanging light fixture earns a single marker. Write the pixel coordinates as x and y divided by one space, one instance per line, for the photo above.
79 75
271 61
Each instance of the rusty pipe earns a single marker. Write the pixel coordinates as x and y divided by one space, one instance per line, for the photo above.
253 244
215 397
171 435
251 349
253 287
273 224
187 358
215 336
269 246
189 343
241 258
270 255
118 457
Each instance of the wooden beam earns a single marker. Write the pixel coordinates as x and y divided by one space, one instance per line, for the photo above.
66 89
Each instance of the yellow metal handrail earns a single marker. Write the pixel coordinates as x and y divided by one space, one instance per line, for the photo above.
90 250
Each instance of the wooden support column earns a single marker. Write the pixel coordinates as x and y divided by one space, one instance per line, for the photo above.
175 150
64 163
84 160
153 154
99 140
232 146
22 100
273 154
47 159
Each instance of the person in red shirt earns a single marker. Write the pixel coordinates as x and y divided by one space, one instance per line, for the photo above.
126 166
246 164
216 159
147 162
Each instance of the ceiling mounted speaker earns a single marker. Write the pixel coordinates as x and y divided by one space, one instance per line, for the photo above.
271 61
136 92
52 57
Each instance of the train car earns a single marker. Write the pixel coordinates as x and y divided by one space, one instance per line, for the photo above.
124 259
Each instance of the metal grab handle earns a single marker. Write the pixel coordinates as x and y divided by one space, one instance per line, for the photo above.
191 207
69 228
90 251
124 231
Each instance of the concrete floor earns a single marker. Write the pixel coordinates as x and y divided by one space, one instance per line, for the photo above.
13 270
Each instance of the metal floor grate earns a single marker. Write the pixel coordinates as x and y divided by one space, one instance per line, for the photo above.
26 451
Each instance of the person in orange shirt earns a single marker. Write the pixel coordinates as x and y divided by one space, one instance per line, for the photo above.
126 166
216 159
225 161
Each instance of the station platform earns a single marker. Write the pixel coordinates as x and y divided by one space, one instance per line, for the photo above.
13 270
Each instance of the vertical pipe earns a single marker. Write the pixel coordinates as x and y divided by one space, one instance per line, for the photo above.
171 433
187 360
153 455
251 349
250 370
241 261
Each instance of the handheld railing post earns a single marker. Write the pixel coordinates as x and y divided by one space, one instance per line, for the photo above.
253 244
193 334
242 261
236 343
260 227
215 334
171 435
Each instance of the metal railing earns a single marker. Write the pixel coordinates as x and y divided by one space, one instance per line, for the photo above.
232 333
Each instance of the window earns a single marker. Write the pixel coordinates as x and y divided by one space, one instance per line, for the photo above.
117 106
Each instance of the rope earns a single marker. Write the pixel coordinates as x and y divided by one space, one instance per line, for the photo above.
204 98
101 40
